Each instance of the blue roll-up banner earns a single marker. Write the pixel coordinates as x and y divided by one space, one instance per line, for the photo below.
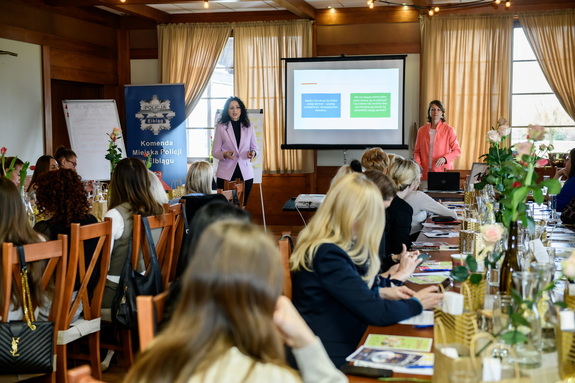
156 124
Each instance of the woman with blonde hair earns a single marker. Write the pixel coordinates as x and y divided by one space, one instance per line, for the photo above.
403 173
335 266
200 177
231 319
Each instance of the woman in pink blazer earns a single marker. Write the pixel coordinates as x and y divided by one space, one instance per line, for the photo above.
235 146
436 145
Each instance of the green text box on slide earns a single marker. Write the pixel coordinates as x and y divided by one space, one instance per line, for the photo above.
371 105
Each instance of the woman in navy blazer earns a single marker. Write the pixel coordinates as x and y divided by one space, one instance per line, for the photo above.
235 146
335 265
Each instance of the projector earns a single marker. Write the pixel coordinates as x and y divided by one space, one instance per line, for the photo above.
309 201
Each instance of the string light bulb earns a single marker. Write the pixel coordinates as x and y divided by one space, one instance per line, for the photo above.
507 4
430 12
436 9
497 2
206 4
371 5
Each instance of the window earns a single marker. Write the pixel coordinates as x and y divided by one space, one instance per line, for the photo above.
201 122
533 101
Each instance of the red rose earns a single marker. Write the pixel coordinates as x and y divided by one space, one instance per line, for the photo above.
516 184
3 150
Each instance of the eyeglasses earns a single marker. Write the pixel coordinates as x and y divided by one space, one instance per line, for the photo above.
73 163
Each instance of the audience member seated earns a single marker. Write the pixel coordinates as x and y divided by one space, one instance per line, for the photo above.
157 188
44 164
130 193
396 268
15 175
376 159
61 198
199 180
15 228
232 322
66 158
353 167
404 173
423 204
335 268
567 192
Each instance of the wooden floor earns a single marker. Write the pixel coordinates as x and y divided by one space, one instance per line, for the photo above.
115 373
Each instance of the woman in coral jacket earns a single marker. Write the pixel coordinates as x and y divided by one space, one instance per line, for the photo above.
235 146
436 145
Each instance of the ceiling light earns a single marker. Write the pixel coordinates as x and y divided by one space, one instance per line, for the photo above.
497 2
436 9
507 4
430 12
206 4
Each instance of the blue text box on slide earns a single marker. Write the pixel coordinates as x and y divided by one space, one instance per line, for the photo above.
321 105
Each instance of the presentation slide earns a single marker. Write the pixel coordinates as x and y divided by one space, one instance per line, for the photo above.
344 102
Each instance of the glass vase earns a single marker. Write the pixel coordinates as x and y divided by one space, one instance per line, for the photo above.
546 305
527 352
566 341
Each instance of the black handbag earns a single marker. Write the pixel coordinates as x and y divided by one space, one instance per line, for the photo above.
26 347
132 284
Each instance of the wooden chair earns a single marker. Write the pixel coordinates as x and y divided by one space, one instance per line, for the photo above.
285 244
239 186
55 253
96 239
180 231
228 194
162 226
150 314
81 374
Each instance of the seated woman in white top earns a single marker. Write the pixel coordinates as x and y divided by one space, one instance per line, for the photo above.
130 193
231 322
423 204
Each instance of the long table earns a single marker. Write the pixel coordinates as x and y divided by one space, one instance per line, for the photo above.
407 330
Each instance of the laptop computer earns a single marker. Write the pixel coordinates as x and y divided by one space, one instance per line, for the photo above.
443 181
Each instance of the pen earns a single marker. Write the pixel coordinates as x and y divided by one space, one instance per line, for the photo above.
423 326
418 366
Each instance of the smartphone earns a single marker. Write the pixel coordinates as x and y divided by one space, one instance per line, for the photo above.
370 372
424 256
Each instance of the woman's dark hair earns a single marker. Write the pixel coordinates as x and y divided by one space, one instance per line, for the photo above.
212 212
61 195
130 183
383 183
572 159
439 105
225 118
63 152
355 165
42 166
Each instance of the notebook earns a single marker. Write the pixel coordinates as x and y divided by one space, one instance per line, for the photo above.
443 181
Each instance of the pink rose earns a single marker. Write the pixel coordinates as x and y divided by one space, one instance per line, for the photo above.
3 150
523 148
569 266
493 136
502 121
504 130
536 132
117 131
541 162
491 233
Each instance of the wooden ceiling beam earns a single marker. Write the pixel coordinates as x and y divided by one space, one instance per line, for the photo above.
299 8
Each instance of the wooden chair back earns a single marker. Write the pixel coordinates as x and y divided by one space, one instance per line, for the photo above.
285 244
228 194
55 254
239 186
165 225
180 231
150 314
81 374
90 270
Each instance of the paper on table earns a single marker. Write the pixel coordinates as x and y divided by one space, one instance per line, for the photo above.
399 342
423 319
419 363
440 234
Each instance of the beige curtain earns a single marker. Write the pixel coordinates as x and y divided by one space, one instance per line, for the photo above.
259 82
188 53
465 63
552 37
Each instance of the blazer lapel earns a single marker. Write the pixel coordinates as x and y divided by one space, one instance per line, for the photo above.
231 135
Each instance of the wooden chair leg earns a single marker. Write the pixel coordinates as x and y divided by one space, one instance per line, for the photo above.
127 347
94 344
62 363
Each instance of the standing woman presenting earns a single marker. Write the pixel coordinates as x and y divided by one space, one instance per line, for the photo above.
235 146
436 145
